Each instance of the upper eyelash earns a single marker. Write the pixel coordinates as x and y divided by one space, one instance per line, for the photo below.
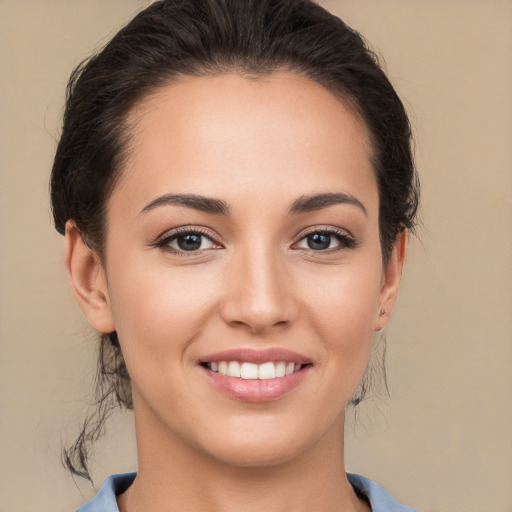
163 241
348 240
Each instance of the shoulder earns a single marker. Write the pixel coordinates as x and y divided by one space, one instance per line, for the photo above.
380 499
105 500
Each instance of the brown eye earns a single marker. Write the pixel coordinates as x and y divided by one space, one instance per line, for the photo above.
319 241
190 242
326 241
187 241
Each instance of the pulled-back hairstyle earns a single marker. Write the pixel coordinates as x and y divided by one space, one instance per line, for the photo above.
175 38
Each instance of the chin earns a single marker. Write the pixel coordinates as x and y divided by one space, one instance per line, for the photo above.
249 442
261 453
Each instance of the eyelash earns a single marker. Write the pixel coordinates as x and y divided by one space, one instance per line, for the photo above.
164 242
345 240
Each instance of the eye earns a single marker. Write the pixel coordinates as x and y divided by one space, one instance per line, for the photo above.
187 241
323 240
191 242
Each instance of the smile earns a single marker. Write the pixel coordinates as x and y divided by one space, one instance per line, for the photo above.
247 370
250 375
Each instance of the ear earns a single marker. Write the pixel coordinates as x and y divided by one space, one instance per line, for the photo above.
88 281
391 275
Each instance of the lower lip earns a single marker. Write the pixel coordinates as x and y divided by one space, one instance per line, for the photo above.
256 390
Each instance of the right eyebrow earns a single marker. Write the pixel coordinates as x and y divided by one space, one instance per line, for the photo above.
201 203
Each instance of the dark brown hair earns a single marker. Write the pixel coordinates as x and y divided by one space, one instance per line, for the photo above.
173 38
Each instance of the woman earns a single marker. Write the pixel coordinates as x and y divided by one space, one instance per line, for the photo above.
235 184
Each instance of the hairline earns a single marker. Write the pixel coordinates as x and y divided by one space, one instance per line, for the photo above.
146 95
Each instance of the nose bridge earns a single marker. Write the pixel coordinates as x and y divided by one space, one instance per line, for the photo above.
259 295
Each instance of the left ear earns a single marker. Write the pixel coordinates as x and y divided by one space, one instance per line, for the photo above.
391 279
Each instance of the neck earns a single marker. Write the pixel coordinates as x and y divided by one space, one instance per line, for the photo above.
174 476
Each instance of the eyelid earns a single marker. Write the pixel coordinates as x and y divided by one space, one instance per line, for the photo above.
324 228
346 238
163 240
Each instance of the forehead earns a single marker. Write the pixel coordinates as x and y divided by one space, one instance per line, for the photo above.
216 135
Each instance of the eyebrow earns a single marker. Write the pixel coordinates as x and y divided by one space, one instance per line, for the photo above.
319 201
201 203
214 206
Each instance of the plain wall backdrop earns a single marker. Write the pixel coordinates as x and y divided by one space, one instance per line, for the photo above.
443 442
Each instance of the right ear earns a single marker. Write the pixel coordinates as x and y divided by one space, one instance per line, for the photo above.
88 281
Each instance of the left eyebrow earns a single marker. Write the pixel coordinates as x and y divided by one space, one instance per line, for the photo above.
319 201
201 203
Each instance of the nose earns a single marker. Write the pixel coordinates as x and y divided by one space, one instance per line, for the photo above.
258 292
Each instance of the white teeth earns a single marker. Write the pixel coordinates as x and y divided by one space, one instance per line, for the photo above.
269 370
234 369
280 369
249 371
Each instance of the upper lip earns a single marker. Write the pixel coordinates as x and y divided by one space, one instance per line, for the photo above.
256 356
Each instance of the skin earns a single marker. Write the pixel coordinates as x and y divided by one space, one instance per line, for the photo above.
258 144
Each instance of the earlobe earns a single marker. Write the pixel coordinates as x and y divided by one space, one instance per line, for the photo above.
391 279
88 282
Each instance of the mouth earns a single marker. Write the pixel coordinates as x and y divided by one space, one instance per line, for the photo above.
252 371
256 376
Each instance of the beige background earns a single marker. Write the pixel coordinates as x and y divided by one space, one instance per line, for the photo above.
443 443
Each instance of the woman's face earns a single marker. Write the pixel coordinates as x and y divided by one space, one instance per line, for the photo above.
244 231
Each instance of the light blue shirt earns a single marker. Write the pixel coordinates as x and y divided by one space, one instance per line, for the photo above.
380 499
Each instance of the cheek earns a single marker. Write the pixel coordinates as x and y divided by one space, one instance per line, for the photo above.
346 300
343 317
159 311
